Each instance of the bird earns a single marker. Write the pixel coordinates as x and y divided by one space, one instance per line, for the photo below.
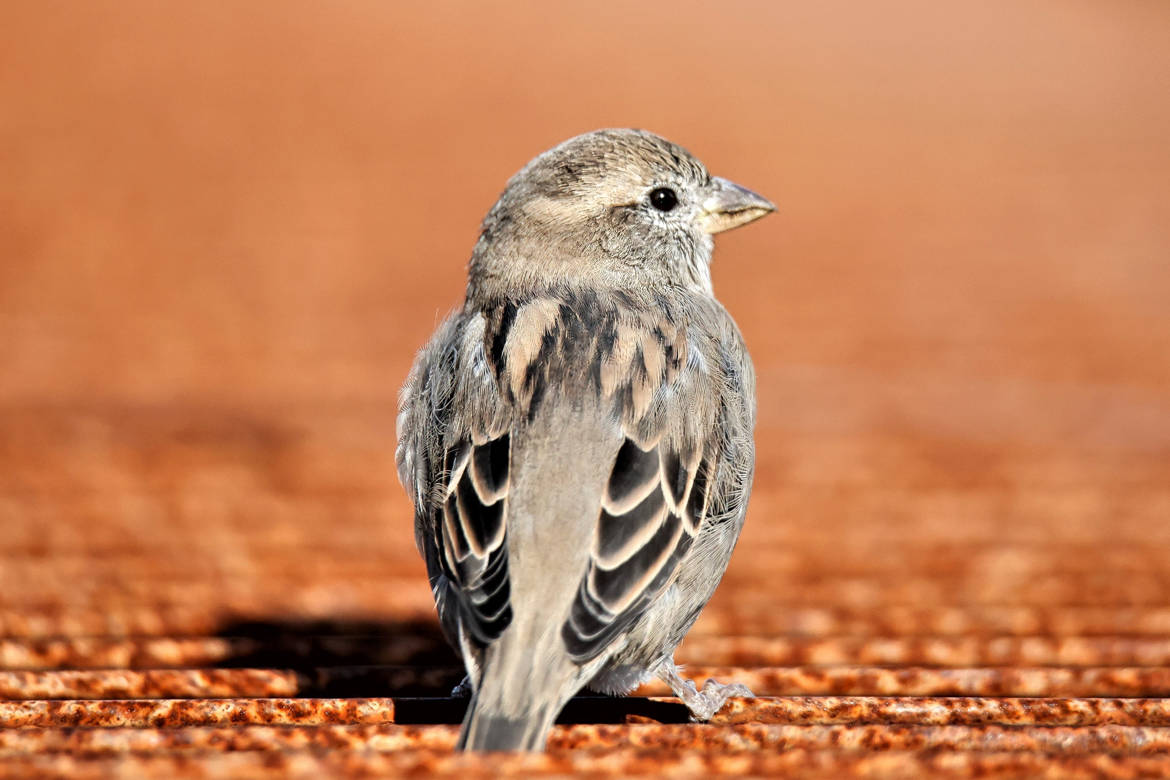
577 439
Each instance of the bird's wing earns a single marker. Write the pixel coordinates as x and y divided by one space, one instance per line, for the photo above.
494 371
651 512
453 455
682 389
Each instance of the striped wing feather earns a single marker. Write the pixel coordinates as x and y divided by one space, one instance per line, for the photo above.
650 514
472 535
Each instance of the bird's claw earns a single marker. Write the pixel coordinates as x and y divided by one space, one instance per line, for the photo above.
712 697
704 703
727 691
463 690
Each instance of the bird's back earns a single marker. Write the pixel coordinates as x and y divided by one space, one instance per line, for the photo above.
607 404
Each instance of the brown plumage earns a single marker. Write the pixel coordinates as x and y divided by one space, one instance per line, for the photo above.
577 439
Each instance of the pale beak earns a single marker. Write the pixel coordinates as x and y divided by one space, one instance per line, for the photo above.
729 205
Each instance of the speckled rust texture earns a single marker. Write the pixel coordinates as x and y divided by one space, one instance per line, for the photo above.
155 684
172 713
797 763
225 229
1082 740
947 711
918 681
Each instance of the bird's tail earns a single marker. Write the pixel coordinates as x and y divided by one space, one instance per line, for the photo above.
486 730
518 697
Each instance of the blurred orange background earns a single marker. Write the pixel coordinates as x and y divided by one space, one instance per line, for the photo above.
249 201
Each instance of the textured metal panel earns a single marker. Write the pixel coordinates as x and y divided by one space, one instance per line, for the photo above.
948 711
920 681
1071 741
619 762
171 713
259 657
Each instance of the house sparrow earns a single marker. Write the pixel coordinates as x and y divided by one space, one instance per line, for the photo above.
577 439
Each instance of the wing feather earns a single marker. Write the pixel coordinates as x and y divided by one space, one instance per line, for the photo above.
620 536
634 477
473 535
635 551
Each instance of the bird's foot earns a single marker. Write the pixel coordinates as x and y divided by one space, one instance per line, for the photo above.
704 703
463 690
716 694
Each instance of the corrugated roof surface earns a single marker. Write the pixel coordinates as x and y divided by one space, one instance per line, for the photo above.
195 592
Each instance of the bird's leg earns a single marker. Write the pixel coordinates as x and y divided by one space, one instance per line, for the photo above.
702 704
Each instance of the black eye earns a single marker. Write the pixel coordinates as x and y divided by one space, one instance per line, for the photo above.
663 199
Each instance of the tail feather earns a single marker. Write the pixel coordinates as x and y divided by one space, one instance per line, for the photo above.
519 694
490 731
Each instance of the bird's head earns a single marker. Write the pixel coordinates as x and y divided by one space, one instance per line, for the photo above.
610 207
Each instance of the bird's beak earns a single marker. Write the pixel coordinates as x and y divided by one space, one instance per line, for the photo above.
730 205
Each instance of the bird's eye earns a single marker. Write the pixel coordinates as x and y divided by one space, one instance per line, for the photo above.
663 199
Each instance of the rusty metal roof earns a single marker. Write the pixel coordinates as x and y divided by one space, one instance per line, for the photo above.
179 598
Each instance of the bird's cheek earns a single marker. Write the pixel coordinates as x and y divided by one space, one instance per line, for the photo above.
621 245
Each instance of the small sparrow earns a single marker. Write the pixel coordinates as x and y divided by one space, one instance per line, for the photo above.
577 439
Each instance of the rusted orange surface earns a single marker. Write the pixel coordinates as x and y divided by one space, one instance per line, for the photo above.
224 230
